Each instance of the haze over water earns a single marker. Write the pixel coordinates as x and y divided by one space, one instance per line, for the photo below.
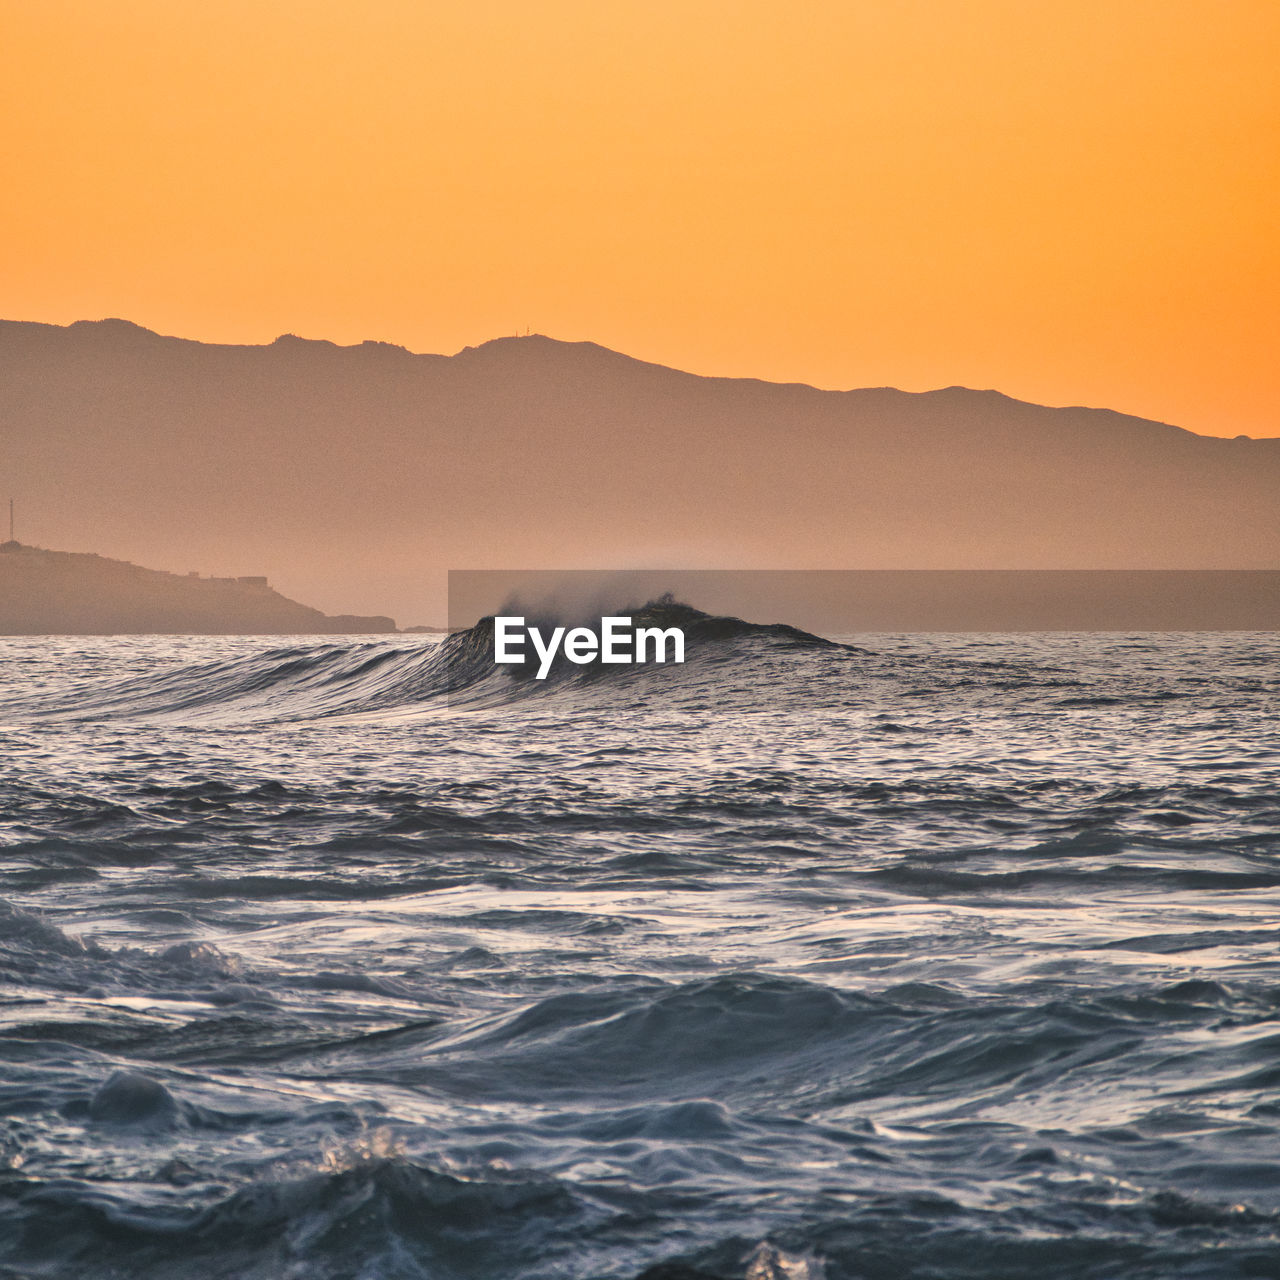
945 956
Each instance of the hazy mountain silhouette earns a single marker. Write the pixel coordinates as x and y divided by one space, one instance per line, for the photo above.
76 593
351 475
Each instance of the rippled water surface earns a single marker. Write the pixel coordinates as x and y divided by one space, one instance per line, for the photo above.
926 957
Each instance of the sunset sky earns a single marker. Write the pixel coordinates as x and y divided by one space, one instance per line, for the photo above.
1074 203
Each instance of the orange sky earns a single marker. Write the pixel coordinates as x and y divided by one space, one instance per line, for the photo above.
1075 203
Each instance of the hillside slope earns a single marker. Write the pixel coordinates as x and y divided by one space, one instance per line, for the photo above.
71 593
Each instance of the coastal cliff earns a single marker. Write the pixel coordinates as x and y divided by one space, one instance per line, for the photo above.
76 593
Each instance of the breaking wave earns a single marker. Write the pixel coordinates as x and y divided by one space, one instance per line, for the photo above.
311 681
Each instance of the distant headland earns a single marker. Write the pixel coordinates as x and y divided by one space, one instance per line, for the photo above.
78 593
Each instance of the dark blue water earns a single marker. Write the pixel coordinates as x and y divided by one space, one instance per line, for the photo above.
934 957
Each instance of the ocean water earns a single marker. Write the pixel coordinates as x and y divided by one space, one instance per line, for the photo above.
918 957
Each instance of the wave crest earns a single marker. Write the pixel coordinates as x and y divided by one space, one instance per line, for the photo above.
458 672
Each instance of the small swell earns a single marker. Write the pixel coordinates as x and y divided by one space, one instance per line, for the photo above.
304 683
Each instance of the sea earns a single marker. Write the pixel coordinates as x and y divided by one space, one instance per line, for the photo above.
878 957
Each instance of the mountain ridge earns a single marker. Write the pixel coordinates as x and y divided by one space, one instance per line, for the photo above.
114 325
355 476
